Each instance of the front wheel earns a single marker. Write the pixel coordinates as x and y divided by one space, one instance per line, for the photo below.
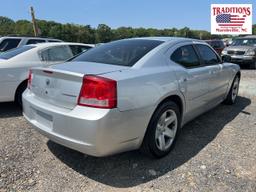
162 130
233 92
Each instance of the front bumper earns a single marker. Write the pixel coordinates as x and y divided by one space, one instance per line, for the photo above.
96 132
242 59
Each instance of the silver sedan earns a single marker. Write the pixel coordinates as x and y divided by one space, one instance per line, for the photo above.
129 94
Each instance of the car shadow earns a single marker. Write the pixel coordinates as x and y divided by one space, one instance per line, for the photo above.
133 168
9 109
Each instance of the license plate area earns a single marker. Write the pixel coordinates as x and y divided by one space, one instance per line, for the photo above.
43 118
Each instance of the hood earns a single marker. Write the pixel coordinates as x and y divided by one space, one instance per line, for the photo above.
239 48
88 67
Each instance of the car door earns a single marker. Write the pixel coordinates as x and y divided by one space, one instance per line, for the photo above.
193 79
217 76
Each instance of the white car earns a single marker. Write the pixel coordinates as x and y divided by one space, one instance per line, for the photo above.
15 64
9 42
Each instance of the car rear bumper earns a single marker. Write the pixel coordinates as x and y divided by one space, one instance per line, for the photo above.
96 132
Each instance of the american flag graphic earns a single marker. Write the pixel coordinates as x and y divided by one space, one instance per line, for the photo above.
229 20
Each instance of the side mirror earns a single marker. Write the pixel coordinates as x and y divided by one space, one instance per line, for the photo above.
226 58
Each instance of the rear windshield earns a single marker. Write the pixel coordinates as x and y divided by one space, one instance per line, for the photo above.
244 41
15 52
123 52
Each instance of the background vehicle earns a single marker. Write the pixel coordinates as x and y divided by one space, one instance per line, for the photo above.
242 51
128 94
227 41
15 64
217 45
7 43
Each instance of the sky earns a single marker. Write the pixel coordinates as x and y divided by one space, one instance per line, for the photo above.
160 14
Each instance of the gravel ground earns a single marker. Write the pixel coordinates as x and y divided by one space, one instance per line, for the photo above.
215 152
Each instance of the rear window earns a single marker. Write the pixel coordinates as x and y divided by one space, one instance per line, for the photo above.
15 52
123 52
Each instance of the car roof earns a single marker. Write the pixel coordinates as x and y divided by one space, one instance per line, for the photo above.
210 40
52 44
247 37
170 39
23 37
163 38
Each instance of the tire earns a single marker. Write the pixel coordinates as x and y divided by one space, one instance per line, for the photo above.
159 130
233 92
18 96
253 65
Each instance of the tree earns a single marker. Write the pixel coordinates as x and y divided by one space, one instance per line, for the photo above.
6 26
103 34
123 33
23 27
254 29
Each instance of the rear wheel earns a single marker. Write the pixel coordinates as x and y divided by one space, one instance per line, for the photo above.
18 96
233 92
162 130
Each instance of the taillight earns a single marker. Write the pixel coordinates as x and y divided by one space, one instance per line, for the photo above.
30 76
99 92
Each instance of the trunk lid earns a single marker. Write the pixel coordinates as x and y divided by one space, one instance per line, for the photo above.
60 84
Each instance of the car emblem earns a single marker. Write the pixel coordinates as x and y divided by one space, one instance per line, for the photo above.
47 82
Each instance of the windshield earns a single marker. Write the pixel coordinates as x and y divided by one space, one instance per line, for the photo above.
123 52
249 42
15 52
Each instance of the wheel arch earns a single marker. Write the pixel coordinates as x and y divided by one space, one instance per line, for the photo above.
239 74
23 83
176 99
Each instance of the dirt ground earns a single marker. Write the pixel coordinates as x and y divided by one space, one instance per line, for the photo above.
215 152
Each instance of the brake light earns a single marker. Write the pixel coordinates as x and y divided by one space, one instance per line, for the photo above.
30 77
99 92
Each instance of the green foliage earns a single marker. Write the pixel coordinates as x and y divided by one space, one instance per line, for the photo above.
103 33
86 34
23 27
254 29
6 26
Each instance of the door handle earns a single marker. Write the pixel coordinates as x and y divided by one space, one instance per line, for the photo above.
184 80
212 72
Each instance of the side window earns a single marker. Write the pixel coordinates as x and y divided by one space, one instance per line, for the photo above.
77 49
35 41
186 56
207 54
55 54
8 44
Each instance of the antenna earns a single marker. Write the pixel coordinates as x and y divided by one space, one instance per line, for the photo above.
34 21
